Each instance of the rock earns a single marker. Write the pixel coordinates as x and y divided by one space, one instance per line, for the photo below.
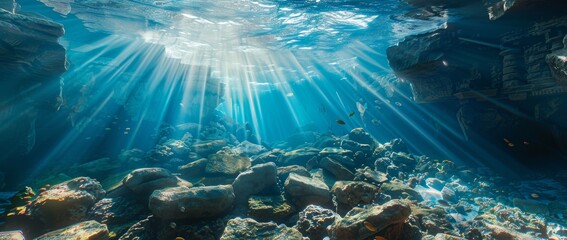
501 233
254 180
227 162
355 146
67 202
89 230
368 175
145 180
305 191
359 135
191 203
398 190
283 172
270 156
118 213
299 156
435 183
444 236
204 148
323 176
339 171
143 229
449 194
269 208
194 169
247 228
250 149
404 161
349 194
397 145
314 220
178 147
355 225
12 235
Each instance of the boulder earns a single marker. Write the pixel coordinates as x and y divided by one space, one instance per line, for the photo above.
250 149
368 175
269 208
191 203
227 162
88 230
362 223
314 220
338 170
118 213
349 194
247 228
360 135
305 190
145 180
66 203
194 169
270 156
299 156
398 190
283 172
204 148
254 180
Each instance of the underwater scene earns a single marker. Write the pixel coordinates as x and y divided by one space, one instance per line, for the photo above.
283 119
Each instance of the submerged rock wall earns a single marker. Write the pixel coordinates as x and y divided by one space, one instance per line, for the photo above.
504 74
31 62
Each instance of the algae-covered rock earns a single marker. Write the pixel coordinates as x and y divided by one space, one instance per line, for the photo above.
368 175
349 194
191 203
88 230
145 180
227 162
359 135
254 180
269 208
305 191
314 220
67 202
247 228
362 223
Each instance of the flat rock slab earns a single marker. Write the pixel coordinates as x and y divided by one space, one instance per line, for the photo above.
247 228
191 203
89 230
146 180
227 162
305 191
254 180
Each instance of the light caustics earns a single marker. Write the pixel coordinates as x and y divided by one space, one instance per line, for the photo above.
171 70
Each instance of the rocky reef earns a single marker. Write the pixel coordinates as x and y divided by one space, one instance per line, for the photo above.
334 187
505 83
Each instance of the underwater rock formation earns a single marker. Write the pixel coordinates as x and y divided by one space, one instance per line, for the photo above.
504 82
31 62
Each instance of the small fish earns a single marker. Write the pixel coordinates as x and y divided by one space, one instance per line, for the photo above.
127 129
370 226
443 202
351 114
399 104
510 145
375 121
379 238
526 143
179 238
534 195
341 122
173 224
